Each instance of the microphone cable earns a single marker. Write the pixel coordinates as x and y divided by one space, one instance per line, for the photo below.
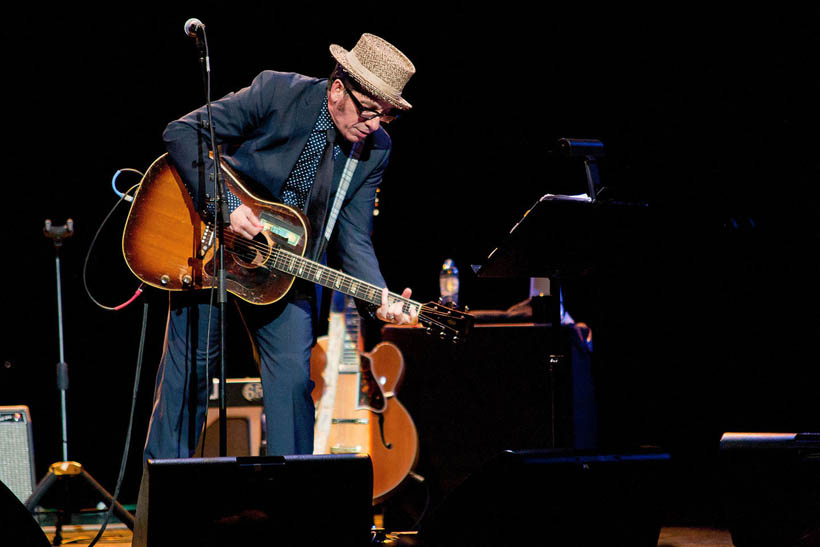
140 353
123 197
124 460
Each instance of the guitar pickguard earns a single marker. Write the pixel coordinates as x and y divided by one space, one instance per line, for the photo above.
371 395
248 273
283 233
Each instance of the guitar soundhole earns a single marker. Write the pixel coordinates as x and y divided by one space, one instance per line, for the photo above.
251 253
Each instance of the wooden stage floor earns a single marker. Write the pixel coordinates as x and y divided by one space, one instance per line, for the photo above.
673 536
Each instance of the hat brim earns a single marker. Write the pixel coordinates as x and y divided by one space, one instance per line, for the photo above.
341 55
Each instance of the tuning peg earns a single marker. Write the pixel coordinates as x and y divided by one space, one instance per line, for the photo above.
442 335
456 339
466 309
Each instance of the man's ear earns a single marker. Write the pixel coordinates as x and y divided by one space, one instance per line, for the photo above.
337 91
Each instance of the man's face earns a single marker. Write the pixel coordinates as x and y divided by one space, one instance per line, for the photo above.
346 114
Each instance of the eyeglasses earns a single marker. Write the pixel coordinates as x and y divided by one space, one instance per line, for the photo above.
367 115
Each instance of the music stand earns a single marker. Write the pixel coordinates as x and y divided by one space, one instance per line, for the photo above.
520 256
562 237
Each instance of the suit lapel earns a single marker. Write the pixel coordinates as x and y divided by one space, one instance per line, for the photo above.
299 125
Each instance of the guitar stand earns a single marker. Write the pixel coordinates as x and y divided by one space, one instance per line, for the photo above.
65 472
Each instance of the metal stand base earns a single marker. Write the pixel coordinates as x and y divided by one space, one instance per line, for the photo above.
67 473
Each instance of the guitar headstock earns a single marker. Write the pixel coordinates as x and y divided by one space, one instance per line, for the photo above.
445 321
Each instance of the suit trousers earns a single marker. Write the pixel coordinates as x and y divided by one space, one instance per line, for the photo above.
283 333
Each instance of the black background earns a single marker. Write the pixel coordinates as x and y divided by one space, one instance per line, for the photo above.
708 116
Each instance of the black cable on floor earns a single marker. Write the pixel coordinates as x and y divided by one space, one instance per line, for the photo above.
130 426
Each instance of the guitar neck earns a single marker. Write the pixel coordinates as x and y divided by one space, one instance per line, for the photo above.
314 272
352 337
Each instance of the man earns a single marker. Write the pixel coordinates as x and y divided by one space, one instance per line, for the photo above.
274 133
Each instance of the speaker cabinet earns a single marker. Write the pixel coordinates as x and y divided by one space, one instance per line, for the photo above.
555 497
269 500
245 420
16 451
771 488
498 389
244 428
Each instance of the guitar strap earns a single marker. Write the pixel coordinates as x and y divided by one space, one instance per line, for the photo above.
347 175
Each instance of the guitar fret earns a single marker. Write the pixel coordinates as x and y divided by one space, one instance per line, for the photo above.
288 262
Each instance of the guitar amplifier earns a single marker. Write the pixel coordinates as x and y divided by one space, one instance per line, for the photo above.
238 392
16 451
245 419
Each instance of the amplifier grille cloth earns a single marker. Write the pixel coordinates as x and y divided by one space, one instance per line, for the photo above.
16 460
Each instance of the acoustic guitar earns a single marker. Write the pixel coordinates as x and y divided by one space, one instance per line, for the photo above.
357 411
168 245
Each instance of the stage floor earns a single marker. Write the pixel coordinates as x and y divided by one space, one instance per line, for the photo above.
673 536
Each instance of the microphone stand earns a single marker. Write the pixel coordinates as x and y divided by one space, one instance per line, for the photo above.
64 472
222 218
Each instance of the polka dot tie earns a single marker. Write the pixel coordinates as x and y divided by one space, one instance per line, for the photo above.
297 187
298 184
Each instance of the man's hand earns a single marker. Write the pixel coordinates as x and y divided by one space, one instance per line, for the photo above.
393 313
245 223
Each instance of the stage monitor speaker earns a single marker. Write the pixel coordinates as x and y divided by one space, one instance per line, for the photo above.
267 500
771 488
17 525
555 498
16 451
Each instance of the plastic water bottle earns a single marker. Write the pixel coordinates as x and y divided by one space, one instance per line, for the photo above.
448 283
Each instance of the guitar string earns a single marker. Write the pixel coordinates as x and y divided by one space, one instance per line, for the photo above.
311 268
426 313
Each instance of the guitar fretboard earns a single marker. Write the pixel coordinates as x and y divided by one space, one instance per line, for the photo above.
350 347
306 269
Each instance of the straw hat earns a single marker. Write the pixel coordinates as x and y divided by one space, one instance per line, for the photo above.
378 67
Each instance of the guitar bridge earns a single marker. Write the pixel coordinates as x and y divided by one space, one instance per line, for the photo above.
345 449
352 421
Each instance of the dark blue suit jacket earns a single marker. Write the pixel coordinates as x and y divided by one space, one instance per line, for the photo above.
262 130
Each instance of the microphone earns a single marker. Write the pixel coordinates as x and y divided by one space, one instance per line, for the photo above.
581 147
193 26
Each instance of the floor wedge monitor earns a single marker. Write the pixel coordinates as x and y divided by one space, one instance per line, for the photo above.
265 500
